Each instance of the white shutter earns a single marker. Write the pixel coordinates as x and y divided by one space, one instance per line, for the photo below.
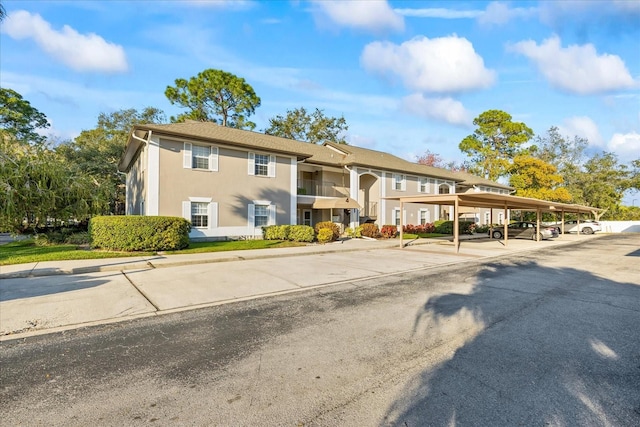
404 217
186 211
272 215
186 159
213 215
251 216
272 166
419 185
213 159
252 164
403 183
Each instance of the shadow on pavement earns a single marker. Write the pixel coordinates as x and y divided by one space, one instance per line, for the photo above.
562 348
13 289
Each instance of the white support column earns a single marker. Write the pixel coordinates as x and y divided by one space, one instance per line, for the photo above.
152 201
293 204
456 223
354 189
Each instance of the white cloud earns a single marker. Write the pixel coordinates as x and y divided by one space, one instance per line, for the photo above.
499 13
82 52
626 146
441 109
438 12
576 69
375 16
441 65
583 127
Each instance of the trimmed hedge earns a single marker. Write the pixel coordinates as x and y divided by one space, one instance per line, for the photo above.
389 231
370 230
294 233
139 233
335 230
446 227
325 235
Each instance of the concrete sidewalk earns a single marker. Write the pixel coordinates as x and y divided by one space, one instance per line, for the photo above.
52 296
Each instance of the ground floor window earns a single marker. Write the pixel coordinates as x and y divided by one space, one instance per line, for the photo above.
261 215
425 216
199 214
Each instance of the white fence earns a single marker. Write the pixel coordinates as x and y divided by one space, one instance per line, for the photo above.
620 226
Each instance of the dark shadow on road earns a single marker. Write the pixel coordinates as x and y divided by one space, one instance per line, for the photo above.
13 289
556 346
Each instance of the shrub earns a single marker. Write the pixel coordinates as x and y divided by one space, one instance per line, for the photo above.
325 235
481 229
80 238
276 232
335 230
370 230
357 233
139 233
389 231
301 233
419 229
446 227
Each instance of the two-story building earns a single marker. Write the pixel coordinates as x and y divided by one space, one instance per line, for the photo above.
231 183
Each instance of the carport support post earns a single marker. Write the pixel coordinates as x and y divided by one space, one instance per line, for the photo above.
456 222
401 226
505 225
578 223
562 224
537 225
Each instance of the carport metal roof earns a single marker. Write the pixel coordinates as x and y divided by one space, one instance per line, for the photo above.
492 201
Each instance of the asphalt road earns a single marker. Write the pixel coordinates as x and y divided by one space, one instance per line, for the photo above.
546 338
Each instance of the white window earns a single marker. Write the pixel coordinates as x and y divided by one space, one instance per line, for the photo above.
200 214
261 213
204 157
201 211
424 216
396 217
262 165
501 218
486 218
399 182
444 189
423 185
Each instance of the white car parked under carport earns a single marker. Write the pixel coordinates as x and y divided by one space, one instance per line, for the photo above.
586 226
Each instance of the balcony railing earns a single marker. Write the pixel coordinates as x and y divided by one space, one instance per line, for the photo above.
369 209
311 187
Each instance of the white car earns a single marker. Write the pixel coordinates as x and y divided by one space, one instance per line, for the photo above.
586 226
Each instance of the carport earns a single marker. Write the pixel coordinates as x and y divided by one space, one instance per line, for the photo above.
493 201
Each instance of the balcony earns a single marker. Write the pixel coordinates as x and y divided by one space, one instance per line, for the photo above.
369 210
311 187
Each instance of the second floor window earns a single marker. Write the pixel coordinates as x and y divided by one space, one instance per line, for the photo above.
262 165
399 182
200 157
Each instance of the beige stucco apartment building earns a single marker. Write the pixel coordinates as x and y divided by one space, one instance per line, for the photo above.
230 183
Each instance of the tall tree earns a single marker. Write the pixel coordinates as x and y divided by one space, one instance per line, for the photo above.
435 160
315 128
19 120
534 178
216 96
494 144
97 151
603 182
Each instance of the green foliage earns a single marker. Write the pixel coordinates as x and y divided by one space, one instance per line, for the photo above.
534 178
357 233
335 230
37 185
325 235
315 128
446 227
370 230
139 233
495 142
19 121
276 232
97 152
389 231
301 233
216 96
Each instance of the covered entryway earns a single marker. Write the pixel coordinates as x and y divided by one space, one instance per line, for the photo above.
493 201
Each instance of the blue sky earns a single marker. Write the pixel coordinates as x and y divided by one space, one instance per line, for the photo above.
407 76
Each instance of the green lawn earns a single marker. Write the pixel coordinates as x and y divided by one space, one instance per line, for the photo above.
26 250
234 245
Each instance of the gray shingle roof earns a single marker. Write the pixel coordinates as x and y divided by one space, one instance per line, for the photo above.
329 154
